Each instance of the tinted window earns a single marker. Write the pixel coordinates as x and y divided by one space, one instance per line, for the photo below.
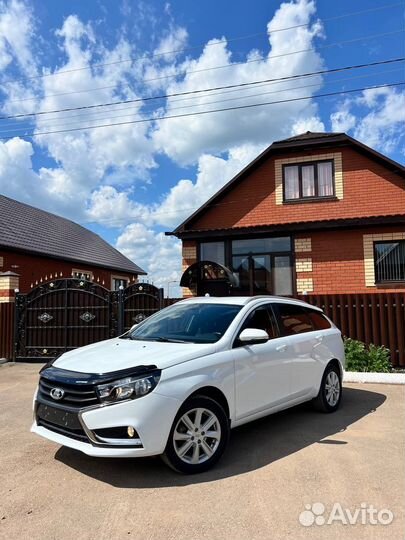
261 245
318 319
263 319
293 319
189 322
213 251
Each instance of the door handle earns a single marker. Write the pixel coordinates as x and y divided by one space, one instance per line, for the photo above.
281 348
319 338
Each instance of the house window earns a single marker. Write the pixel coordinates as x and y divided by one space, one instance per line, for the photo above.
82 274
389 261
310 180
213 251
263 265
118 282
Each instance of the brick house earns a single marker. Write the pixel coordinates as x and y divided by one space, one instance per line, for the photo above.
318 213
40 246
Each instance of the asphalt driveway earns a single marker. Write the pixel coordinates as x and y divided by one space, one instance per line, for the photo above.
271 471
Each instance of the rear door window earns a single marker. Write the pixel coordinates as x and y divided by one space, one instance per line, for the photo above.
293 319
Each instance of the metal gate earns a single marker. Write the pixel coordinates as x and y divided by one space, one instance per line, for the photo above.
64 314
138 302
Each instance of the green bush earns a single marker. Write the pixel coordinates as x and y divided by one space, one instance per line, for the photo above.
360 358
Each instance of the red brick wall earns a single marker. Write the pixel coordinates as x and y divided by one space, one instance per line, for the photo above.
338 261
369 190
33 268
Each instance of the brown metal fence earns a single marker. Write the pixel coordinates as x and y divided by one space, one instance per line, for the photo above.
7 321
372 318
377 318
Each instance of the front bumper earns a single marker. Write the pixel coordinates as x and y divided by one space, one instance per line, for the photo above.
151 416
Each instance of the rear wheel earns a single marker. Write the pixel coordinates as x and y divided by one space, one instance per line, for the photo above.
330 391
198 436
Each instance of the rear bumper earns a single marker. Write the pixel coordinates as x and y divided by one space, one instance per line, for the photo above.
151 416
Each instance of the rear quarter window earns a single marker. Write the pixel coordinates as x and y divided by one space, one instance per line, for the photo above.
293 319
318 320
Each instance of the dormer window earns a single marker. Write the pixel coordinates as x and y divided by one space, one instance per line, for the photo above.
308 181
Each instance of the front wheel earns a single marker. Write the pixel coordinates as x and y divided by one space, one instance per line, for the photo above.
198 436
330 391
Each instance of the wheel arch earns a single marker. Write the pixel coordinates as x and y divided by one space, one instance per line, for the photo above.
335 362
214 393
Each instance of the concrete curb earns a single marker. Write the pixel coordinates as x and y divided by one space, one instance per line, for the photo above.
384 378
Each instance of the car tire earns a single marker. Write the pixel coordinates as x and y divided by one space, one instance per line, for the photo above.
330 391
190 448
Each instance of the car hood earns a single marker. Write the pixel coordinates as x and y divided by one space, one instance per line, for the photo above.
118 354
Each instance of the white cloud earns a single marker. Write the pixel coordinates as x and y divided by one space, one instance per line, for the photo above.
114 208
16 29
185 139
343 120
16 166
158 254
313 123
173 42
376 118
213 172
383 126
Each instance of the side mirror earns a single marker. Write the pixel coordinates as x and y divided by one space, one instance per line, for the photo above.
250 336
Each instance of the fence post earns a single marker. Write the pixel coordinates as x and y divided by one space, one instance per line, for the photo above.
9 283
120 297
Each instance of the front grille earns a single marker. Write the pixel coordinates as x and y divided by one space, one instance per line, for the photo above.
75 395
60 421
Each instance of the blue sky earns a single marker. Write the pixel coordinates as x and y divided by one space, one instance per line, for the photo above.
132 182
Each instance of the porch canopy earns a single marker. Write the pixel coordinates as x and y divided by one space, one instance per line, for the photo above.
208 277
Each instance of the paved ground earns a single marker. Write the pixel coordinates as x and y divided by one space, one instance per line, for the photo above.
272 469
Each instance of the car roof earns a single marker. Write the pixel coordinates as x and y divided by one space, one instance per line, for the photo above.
244 300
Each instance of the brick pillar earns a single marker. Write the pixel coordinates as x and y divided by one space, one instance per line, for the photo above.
189 253
9 283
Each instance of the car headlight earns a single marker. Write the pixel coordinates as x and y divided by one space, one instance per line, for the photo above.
128 388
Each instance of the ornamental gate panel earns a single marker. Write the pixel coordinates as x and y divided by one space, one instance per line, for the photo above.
64 314
137 302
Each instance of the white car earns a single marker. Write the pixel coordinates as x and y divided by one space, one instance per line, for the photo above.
176 384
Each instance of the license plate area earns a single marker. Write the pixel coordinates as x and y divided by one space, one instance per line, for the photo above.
59 417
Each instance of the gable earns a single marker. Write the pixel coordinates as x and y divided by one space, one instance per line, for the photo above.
366 185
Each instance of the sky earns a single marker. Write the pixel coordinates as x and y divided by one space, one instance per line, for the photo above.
133 181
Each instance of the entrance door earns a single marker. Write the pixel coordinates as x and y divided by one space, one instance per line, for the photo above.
264 274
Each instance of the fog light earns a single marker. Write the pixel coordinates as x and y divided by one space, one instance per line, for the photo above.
130 431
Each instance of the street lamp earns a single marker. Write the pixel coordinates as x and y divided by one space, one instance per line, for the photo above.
168 286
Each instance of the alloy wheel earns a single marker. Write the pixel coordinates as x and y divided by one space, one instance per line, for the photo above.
332 388
196 436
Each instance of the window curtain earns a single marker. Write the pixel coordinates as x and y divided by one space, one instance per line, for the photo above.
308 181
325 180
292 190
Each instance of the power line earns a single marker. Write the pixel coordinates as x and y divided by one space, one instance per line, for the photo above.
199 113
187 72
95 116
199 91
145 56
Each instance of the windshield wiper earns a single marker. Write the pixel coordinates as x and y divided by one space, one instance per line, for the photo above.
165 340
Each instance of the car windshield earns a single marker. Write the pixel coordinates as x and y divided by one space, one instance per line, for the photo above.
187 323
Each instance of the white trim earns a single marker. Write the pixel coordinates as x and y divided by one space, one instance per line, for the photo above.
379 378
338 169
368 249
